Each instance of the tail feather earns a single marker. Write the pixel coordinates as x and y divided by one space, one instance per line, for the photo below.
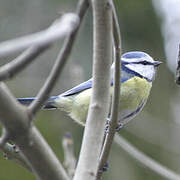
48 105
26 101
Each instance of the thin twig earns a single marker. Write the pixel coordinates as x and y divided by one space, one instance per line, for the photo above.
116 95
11 153
178 68
10 69
60 62
145 160
98 111
57 30
69 157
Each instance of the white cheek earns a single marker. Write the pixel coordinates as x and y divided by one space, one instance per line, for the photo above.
146 71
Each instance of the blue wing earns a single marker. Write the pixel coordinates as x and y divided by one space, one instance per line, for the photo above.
28 100
77 89
85 85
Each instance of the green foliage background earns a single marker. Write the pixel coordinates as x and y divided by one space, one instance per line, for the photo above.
152 131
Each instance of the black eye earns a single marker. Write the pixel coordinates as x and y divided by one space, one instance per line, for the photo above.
144 63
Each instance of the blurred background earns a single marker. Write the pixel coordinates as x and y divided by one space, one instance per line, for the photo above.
150 26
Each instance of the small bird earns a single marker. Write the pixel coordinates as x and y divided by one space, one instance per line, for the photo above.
138 70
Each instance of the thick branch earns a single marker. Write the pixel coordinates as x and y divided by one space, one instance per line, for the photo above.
61 28
116 94
146 160
60 62
94 130
15 119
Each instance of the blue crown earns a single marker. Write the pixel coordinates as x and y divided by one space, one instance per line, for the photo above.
134 54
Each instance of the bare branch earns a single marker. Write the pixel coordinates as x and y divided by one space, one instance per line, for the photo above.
69 158
116 94
11 153
146 160
10 69
15 118
4 137
60 28
178 68
98 111
59 64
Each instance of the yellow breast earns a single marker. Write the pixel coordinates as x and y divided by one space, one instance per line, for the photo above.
133 92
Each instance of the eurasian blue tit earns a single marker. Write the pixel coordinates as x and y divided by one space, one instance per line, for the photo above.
138 71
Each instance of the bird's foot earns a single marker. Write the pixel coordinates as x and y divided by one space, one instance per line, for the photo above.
107 126
119 126
105 168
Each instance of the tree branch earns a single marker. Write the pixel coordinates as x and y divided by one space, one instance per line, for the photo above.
58 66
98 111
59 29
60 62
10 69
178 69
15 119
116 95
146 160
11 153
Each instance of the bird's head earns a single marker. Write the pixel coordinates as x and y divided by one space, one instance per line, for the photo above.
140 64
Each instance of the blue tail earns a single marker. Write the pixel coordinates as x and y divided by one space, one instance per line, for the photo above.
48 105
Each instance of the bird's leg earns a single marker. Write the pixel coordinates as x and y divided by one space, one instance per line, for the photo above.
119 126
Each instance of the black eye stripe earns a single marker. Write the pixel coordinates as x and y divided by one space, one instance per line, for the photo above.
143 62
140 62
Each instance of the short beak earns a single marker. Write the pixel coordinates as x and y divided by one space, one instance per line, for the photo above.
157 63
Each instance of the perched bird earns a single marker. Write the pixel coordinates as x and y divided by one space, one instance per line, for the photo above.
138 70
